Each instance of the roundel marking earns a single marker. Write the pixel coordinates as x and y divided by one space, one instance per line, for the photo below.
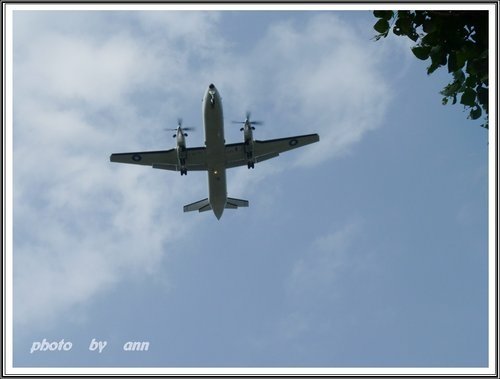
293 142
136 157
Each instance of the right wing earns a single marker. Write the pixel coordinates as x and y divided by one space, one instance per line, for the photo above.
196 159
263 150
280 145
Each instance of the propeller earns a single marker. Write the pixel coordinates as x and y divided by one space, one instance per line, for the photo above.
247 121
179 125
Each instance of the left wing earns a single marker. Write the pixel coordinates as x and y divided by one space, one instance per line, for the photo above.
235 153
196 159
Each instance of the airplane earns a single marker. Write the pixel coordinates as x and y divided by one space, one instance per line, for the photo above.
215 157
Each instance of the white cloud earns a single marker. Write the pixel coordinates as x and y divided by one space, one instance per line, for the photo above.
327 80
318 269
317 76
195 31
81 223
97 73
318 277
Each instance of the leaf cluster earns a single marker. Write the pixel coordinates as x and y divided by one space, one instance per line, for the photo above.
457 40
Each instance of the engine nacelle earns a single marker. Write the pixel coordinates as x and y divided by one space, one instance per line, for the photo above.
249 153
182 156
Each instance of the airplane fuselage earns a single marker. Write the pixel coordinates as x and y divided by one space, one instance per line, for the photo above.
214 140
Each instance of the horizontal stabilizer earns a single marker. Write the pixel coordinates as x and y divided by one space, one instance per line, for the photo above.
235 203
200 206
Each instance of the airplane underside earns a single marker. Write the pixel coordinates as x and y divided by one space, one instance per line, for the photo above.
215 157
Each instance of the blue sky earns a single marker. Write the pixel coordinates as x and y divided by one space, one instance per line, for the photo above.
368 249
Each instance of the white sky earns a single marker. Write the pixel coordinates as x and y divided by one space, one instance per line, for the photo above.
366 249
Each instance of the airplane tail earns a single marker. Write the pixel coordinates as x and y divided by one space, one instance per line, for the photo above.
204 205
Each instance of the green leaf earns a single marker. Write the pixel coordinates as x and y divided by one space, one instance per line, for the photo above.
438 56
459 76
431 39
482 96
433 67
468 98
429 25
403 14
405 25
444 59
471 68
475 113
419 18
421 52
471 81
382 26
469 50
386 15
413 35
460 56
451 89
452 62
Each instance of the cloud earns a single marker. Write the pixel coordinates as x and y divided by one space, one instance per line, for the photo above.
323 78
88 84
328 256
320 278
82 224
192 31
318 76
